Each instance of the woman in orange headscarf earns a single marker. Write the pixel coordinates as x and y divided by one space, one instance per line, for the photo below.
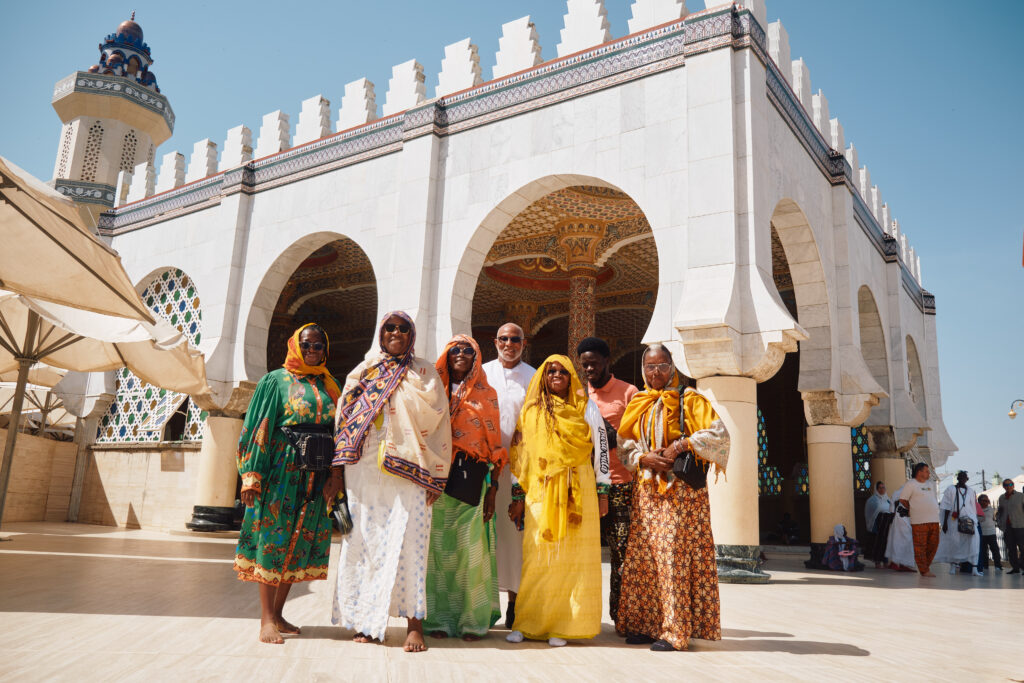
286 533
462 585
560 458
669 576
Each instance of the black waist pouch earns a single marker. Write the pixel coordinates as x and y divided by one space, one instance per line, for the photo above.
466 479
314 445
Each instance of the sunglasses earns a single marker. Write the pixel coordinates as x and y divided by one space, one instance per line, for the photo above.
462 351
315 346
402 328
510 340
657 367
556 371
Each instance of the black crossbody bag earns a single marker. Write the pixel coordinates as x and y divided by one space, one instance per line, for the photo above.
964 525
314 445
466 479
686 466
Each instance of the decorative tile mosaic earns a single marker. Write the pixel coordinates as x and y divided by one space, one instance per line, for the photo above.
861 459
140 411
769 479
802 484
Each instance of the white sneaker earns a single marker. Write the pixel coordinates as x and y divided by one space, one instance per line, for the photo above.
952 569
515 637
556 642
977 572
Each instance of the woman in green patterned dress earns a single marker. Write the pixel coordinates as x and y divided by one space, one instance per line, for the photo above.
286 533
462 575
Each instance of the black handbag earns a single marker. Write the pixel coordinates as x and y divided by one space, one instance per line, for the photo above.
314 445
687 466
466 479
964 525
340 513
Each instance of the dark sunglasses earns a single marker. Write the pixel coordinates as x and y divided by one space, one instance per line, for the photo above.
510 340
556 371
401 328
462 350
316 346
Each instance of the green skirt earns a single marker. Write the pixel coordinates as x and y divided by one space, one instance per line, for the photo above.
462 575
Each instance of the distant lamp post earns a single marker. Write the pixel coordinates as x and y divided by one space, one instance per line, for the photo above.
1013 413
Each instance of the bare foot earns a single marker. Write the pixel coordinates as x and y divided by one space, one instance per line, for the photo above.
470 637
270 634
928 574
438 634
414 639
287 627
362 638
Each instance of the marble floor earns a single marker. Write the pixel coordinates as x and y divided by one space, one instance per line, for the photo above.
91 603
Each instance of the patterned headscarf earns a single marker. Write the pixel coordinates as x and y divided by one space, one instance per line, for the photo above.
476 425
367 398
296 364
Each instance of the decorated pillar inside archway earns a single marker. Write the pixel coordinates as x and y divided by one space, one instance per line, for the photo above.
579 240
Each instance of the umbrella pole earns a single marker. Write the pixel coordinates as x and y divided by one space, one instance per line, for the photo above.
19 397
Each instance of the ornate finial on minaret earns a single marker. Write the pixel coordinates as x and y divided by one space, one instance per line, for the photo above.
133 15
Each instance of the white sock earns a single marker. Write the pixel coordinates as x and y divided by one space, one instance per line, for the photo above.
515 637
555 642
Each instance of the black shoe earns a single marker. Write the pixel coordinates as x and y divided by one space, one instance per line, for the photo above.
1013 571
662 646
638 639
510 614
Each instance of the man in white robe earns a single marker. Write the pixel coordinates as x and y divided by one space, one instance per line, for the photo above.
958 502
510 377
900 545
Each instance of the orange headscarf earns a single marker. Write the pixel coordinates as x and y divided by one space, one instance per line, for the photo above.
476 426
295 364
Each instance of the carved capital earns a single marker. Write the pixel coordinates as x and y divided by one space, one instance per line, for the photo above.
522 313
580 239
832 408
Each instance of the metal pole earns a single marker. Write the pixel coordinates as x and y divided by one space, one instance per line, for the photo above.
24 363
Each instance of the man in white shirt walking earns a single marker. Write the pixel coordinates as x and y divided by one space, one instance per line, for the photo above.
919 496
510 377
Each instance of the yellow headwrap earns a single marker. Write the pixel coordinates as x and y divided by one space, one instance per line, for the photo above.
550 445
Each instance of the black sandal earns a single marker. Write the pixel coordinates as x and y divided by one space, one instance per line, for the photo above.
638 639
662 646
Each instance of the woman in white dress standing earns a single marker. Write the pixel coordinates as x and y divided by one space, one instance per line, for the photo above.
900 544
393 440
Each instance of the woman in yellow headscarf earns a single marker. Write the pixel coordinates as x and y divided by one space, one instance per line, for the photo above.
286 533
560 458
669 575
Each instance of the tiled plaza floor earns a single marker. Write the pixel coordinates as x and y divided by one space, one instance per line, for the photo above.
92 603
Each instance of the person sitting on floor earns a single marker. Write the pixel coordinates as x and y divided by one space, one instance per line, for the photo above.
841 552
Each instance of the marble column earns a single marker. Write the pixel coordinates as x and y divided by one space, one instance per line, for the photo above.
830 480
734 502
891 471
218 475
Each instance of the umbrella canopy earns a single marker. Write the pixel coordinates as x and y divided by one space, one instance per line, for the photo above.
40 374
41 407
33 331
44 233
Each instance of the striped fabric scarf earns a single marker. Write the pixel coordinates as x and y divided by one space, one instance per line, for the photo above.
368 397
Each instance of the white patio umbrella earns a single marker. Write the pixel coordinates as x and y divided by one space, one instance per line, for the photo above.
50 253
40 374
41 406
33 331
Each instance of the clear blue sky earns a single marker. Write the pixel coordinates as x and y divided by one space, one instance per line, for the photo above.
930 93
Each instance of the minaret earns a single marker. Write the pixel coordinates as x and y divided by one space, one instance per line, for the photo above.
114 118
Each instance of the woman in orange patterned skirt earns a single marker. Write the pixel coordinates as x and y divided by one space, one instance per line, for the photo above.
669 576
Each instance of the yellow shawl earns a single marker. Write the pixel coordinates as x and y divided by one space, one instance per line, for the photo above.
547 448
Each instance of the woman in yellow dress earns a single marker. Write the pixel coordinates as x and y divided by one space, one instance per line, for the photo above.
560 458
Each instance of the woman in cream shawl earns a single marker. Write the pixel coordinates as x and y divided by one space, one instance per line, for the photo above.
394 442
560 458
669 576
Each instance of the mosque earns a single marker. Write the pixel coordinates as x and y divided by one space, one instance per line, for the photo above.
682 184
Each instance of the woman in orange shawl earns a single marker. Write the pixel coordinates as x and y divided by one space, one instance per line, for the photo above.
462 586
669 575
286 533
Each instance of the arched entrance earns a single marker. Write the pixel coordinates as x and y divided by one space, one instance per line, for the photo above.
333 285
575 262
